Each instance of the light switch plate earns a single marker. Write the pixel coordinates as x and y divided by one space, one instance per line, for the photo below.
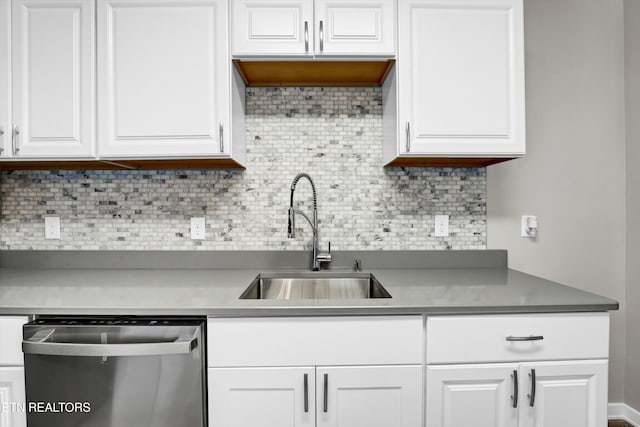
529 226
52 227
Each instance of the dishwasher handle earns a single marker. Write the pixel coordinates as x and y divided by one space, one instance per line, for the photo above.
39 344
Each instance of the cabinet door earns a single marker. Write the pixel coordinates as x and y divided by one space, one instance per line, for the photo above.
53 78
372 396
272 27
11 340
564 394
5 82
12 399
472 395
267 397
355 27
461 78
163 78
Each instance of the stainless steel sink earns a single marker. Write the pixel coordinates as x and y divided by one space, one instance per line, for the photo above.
310 285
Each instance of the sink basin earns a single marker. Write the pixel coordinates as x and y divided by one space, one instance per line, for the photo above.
311 285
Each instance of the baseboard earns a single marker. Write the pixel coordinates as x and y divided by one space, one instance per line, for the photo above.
622 411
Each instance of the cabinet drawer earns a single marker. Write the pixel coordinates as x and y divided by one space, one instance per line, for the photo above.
11 340
315 341
469 339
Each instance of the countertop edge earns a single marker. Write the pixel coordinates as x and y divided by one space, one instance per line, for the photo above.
304 311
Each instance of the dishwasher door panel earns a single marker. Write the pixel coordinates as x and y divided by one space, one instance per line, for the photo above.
146 390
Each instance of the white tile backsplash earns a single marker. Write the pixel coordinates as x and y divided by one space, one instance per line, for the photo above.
334 134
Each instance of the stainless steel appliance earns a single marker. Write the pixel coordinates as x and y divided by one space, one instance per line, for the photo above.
115 372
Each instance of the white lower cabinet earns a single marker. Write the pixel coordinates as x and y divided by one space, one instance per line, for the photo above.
527 370
346 396
349 371
549 394
278 397
372 396
12 397
566 394
517 370
471 395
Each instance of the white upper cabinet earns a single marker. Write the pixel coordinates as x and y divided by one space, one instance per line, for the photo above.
53 78
5 80
461 78
163 86
313 28
263 27
355 27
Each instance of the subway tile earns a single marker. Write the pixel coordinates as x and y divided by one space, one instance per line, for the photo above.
334 134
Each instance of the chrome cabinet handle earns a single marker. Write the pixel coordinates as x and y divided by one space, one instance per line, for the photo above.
408 130
326 393
514 396
221 138
1 134
15 139
529 338
532 396
306 392
306 36
38 344
321 37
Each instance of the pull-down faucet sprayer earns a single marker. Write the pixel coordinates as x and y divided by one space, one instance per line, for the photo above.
317 258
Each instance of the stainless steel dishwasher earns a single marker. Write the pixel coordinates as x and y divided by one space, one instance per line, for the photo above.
115 372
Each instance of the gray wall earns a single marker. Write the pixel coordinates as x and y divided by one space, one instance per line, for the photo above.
573 176
632 297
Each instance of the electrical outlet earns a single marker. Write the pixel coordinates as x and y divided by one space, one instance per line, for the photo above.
52 227
197 229
442 225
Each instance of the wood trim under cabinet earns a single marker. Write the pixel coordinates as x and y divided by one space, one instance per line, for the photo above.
451 162
314 73
121 164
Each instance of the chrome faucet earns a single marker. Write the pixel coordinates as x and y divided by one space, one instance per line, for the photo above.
317 258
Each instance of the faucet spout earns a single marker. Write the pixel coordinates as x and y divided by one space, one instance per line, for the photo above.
316 257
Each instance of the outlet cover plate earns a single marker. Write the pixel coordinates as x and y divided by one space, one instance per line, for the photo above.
197 228
441 226
52 227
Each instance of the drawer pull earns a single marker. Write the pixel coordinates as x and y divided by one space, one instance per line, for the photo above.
532 396
15 139
306 392
529 338
221 139
326 393
408 132
306 36
514 396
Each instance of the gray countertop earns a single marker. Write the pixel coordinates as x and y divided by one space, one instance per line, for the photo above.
169 283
